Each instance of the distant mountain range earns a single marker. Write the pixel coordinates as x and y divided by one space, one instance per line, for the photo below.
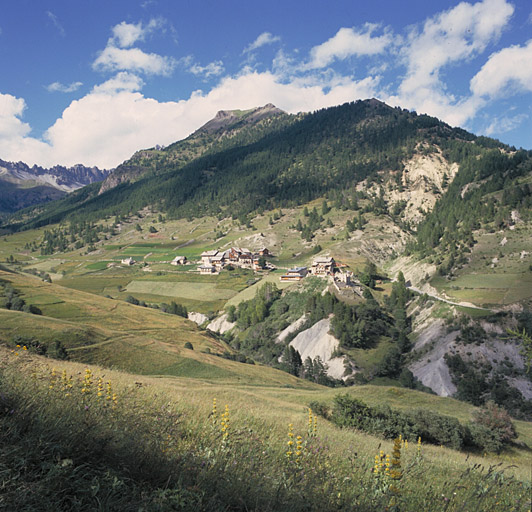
22 186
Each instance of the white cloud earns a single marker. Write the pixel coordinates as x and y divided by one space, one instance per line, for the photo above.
451 37
119 56
122 81
127 34
504 124
55 20
109 124
505 72
59 87
11 109
348 42
212 69
262 40
133 59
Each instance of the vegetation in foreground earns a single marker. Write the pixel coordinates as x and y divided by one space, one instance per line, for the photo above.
75 438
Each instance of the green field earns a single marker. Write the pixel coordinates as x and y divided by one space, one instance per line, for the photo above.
194 291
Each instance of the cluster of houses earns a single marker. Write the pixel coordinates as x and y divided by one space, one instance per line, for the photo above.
212 262
324 266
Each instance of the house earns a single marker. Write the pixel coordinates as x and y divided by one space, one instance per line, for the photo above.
218 261
323 266
207 269
264 252
179 260
294 274
233 254
245 259
128 261
206 257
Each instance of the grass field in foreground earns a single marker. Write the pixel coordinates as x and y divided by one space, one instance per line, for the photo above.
157 441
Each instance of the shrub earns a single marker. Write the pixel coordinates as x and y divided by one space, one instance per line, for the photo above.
189 345
497 420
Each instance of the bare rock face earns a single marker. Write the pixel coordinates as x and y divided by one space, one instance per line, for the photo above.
221 324
198 318
317 342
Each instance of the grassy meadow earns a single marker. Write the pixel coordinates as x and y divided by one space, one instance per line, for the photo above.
93 438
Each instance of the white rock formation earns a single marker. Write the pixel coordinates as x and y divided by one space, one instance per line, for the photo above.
317 341
198 318
221 324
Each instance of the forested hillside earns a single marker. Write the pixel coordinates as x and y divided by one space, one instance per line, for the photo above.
278 162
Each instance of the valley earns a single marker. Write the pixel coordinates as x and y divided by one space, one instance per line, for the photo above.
430 229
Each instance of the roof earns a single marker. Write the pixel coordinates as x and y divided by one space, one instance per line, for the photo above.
297 269
324 259
209 253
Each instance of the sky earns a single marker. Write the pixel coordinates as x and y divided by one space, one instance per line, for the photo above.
93 81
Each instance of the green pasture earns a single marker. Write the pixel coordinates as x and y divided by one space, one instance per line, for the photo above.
487 288
194 291
249 293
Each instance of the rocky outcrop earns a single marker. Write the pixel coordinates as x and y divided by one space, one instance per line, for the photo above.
198 318
221 324
317 342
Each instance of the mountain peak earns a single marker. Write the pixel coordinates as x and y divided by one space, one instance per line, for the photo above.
225 119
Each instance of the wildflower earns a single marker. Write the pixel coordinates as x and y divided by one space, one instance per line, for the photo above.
99 392
53 378
214 413
396 473
419 445
290 442
225 423
24 347
376 468
299 447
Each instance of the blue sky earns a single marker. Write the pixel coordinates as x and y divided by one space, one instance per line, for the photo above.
93 81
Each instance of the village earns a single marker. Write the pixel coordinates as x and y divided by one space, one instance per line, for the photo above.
212 262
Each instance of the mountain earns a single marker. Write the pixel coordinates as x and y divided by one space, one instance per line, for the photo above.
387 192
22 186
215 134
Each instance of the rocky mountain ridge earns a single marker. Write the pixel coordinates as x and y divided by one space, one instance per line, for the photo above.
22 185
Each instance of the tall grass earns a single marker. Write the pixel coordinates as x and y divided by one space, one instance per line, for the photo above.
81 441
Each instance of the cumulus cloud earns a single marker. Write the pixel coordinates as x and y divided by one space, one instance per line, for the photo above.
348 42
109 124
116 119
451 37
133 59
126 35
122 81
506 72
119 56
11 109
262 40
59 87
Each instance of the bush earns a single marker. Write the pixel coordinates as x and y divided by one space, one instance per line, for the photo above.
497 420
491 430
189 345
